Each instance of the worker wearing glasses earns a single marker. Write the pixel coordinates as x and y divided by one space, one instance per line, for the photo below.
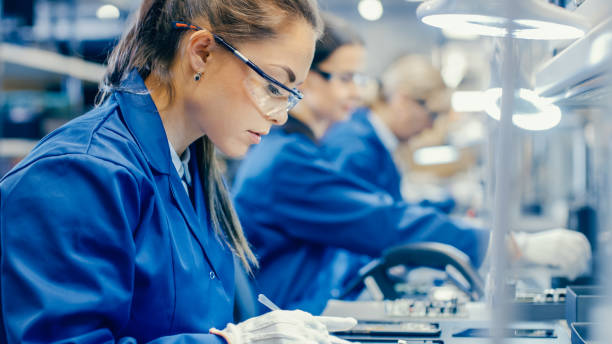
312 225
117 227
405 104
411 93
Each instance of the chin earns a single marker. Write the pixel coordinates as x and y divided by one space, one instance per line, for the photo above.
235 151
342 117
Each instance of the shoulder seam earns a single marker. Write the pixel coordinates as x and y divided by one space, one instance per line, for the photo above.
112 110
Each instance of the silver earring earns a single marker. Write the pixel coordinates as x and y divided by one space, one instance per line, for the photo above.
197 76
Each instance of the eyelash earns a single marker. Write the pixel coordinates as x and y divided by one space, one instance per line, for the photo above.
274 91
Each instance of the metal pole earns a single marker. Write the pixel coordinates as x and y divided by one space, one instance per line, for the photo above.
602 315
1 73
503 187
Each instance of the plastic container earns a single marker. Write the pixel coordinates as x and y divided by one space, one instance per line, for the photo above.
582 333
580 301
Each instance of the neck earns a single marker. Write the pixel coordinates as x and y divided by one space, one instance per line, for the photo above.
178 128
385 114
316 124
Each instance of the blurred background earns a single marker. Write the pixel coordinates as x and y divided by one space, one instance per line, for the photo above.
53 52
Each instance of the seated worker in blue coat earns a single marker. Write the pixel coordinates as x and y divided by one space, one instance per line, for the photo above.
411 95
117 227
313 226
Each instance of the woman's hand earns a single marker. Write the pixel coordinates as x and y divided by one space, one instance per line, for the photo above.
565 249
280 327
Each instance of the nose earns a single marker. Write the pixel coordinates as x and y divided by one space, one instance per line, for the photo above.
354 91
278 118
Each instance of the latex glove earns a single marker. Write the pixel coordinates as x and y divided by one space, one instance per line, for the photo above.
563 248
280 327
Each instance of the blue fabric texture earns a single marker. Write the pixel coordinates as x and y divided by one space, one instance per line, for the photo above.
313 227
354 147
101 244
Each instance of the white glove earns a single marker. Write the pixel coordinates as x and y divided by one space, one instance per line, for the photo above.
563 248
280 327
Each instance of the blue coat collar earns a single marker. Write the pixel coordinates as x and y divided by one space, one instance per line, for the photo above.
143 121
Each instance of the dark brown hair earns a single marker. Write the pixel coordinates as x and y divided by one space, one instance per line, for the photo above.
150 45
337 33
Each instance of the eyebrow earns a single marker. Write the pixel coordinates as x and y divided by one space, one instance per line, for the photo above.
288 70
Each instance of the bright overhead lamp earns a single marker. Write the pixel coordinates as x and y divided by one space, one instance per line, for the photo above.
532 19
108 12
532 112
435 155
468 101
370 9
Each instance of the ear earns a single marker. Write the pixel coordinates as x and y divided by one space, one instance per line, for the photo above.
199 47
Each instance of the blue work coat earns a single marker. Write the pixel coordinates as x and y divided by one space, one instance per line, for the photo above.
354 147
100 243
312 227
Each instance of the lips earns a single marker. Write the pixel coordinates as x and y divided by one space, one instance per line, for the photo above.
256 135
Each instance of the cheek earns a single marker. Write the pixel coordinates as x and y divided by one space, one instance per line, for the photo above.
224 119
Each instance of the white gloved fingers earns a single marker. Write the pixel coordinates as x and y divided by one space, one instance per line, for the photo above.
571 251
586 246
286 333
335 324
277 327
297 317
554 247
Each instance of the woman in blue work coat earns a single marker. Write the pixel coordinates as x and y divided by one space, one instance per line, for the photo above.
117 227
365 144
311 226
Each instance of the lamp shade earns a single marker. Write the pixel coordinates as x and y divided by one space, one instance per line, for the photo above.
531 19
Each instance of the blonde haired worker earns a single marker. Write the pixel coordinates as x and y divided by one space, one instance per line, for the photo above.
412 93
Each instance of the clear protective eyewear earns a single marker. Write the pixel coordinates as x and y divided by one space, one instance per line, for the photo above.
273 101
272 97
358 79
433 115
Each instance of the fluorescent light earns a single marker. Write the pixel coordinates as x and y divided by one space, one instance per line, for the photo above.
542 115
435 155
51 62
457 33
600 49
108 12
532 19
467 24
538 29
468 101
370 9
454 67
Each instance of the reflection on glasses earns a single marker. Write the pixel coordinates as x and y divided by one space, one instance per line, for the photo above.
358 79
432 114
274 92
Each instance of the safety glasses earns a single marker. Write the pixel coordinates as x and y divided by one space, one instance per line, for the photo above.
272 97
432 114
358 79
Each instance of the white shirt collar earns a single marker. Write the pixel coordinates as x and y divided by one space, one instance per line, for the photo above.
383 132
181 164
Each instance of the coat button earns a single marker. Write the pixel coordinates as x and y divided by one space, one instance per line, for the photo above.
212 275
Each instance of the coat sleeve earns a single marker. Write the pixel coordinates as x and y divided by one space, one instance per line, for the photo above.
312 201
67 268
